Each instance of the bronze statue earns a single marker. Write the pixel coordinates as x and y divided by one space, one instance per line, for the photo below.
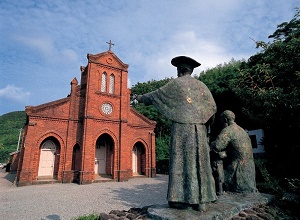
239 168
216 159
189 104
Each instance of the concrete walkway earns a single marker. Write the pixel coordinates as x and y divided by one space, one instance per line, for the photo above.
67 201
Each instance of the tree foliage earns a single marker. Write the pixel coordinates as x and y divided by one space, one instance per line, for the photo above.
269 81
10 125
142 88
220 81
162 147
268 87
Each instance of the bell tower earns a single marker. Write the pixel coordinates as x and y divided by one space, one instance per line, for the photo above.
106 108
106 86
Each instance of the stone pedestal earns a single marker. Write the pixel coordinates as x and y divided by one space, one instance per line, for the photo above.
227 206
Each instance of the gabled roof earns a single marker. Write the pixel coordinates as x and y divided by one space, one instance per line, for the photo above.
54 108
107 58
142 121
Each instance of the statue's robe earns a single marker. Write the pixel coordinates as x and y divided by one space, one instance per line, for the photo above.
239 168
189 104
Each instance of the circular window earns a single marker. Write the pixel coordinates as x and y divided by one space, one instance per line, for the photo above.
106 108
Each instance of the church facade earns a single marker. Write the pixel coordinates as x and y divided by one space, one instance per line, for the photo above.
92 133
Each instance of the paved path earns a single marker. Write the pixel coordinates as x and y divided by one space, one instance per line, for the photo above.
66 201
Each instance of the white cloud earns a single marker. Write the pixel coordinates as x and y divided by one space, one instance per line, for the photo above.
43 45
13 93
69 54
208 52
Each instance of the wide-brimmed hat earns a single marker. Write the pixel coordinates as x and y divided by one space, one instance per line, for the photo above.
186 60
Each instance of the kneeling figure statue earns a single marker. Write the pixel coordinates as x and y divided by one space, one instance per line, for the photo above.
239 168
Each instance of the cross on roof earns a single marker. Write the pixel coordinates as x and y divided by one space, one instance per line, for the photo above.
110 44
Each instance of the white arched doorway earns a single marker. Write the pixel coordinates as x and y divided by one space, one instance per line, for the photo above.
138 159
104 155
135 160
47 158
100 159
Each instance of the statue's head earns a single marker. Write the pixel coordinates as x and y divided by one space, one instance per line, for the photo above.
185 65
227 117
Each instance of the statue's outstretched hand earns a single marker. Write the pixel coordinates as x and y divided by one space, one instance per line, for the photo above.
134 99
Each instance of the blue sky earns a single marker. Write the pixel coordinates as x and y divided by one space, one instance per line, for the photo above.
44 43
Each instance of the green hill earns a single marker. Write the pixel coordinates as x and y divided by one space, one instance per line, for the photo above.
10 125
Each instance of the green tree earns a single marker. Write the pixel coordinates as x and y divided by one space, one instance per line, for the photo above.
142 88
271 79
268 87
10 125
220 81
162 147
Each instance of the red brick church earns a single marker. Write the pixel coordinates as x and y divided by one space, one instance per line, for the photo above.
91 133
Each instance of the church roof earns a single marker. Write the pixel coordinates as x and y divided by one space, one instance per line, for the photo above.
49 109
107 58
142 117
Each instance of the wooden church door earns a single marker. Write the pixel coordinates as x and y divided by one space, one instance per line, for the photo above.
138 159
47 157
100 159
104 155
135 160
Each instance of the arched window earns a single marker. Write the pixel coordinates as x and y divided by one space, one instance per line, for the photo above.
76 158
112 84
103 82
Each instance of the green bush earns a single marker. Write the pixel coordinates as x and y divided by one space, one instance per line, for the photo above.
264 181
93 216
